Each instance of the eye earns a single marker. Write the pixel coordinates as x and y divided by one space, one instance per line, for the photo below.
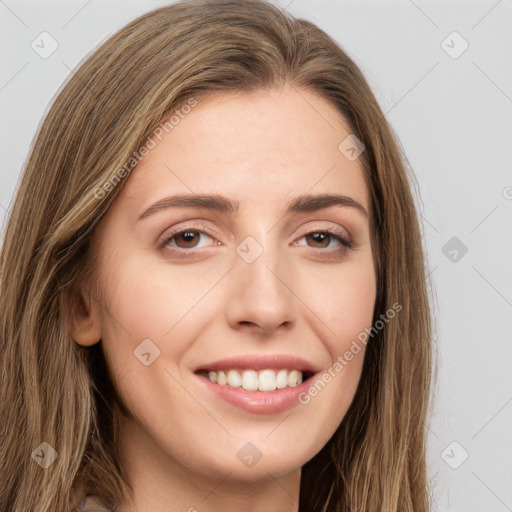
323 239
187 238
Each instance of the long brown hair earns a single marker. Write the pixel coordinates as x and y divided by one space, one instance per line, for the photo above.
56 392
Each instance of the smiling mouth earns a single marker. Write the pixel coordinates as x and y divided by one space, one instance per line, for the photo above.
256 380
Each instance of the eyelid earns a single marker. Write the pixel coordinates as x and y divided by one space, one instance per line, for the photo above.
332 227
187 227
342 232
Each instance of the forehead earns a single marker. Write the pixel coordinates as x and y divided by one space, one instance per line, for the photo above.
265 147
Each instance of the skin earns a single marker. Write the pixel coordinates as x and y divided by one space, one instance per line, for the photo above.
301 296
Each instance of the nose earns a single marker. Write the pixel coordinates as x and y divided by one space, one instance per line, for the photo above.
261 298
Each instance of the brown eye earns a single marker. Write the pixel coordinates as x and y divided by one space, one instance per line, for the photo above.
186 239
322 239
319 238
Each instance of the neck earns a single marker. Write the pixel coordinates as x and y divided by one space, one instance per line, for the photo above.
158 481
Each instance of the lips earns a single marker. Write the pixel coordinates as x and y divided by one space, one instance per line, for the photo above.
256 383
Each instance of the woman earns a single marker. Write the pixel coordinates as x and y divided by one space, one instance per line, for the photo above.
176 332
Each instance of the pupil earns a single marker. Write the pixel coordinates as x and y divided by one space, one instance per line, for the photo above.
319 237
188 236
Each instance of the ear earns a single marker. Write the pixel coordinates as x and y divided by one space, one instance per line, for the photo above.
84 317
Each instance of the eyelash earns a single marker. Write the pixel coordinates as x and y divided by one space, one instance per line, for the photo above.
347 245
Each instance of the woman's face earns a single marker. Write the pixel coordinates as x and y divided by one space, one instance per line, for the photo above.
252 281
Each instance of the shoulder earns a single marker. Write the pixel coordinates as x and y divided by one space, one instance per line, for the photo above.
91 503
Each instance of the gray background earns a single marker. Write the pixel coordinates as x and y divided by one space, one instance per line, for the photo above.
452 110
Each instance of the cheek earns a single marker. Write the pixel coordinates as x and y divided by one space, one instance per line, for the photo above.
155 301
344 302
343 298
148 298
346 309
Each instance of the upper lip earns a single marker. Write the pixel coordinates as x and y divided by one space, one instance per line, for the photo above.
260 362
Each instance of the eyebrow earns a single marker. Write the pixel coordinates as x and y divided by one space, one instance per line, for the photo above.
222 204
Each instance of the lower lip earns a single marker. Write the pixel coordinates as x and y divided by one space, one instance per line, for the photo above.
260 402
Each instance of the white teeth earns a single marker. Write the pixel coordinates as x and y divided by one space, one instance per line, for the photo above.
251 380
234 379
221 378
267 380
292 378
281 379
